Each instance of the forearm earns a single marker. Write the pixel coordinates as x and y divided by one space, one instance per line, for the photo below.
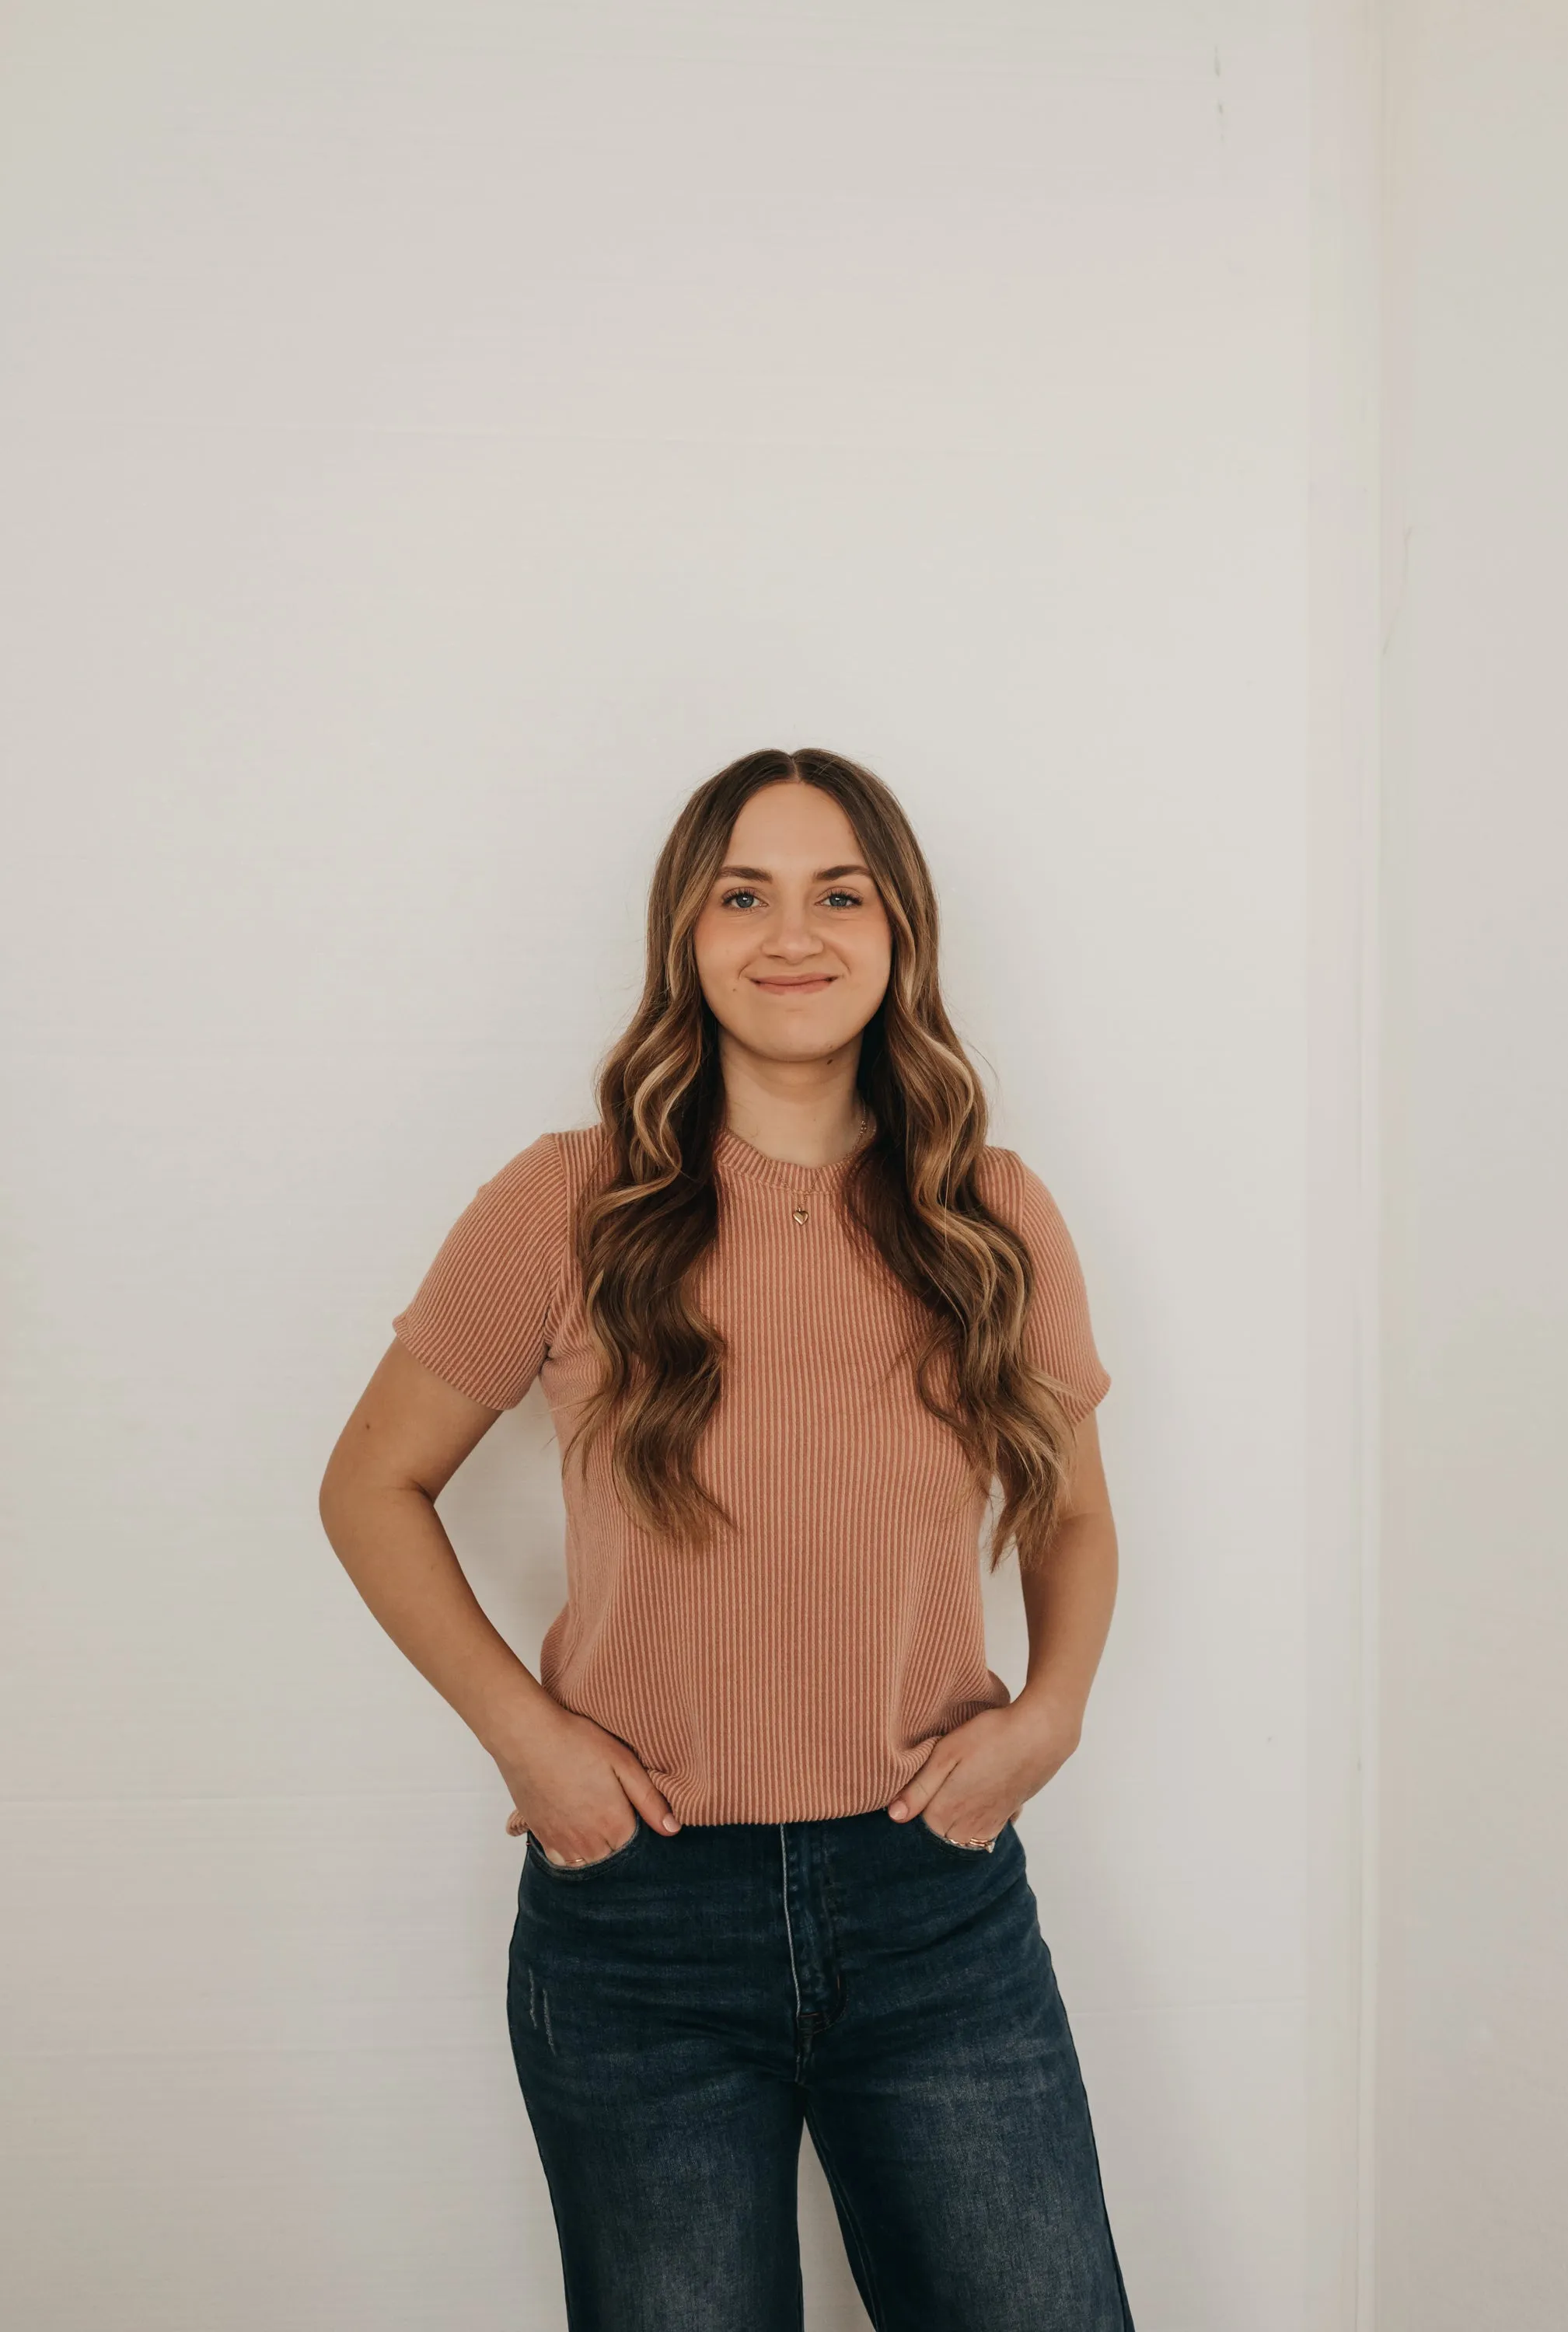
1069 1600
392 1543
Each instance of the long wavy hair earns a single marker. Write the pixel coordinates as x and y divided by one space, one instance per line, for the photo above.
652 1211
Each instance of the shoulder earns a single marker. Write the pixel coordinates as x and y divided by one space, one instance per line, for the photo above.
553 1165
535 1194
1059 1336
1012 1190
1008 1184
529 1182
581 1150
482 1314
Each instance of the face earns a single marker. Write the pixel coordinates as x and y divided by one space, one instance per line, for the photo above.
793 946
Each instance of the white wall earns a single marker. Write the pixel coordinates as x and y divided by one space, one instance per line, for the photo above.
1473 2069
436 438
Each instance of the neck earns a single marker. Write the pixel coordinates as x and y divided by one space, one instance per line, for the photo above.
814 1128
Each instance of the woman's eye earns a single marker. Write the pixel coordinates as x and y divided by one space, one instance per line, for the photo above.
730 898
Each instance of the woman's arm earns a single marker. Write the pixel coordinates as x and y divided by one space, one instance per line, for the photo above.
1069 1599
978 1776
573 1783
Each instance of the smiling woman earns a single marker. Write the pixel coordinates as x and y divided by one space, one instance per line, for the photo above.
793 958
795 1318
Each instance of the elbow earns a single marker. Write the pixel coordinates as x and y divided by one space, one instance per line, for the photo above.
334 1495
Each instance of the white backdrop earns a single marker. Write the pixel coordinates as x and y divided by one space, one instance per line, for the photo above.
436 438
1473 2061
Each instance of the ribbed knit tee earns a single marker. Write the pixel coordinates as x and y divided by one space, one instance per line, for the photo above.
801 1665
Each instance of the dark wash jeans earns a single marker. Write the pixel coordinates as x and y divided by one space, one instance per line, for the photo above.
678 2009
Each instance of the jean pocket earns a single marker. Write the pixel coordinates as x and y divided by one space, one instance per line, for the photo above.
961 1847
568 1870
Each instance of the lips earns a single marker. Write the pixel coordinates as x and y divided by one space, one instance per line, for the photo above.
791 987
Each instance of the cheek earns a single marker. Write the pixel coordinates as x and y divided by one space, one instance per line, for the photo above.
720 954
873 960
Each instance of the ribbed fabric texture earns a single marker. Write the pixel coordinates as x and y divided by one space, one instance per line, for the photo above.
800 1666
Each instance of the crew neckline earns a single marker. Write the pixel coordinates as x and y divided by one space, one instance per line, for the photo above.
733 1155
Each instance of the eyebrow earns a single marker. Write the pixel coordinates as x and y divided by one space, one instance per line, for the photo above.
823 874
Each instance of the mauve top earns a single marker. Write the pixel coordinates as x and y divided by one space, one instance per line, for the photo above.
801 1666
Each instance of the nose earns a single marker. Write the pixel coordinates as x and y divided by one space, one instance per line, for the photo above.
790 935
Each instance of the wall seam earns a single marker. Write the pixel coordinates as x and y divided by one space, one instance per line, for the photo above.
1370 1337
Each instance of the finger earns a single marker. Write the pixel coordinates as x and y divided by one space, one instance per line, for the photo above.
962 1822
646 1799
918 1794
585 1847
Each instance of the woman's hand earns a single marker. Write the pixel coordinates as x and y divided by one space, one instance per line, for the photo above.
575 1786
978 1776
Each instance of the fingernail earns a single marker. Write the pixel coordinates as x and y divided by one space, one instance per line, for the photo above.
670 1823
554 1856
898 1809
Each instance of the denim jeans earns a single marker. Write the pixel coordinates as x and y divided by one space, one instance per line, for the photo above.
680 2009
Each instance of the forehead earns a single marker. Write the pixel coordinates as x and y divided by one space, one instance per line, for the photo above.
789 824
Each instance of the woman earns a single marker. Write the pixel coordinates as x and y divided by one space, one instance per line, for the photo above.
796 1322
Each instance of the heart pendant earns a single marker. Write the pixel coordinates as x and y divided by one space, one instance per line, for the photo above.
801 1214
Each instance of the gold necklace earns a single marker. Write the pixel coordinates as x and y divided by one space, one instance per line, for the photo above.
800 1213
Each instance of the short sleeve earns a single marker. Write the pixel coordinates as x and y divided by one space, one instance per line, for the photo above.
1059 1336
481 1317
